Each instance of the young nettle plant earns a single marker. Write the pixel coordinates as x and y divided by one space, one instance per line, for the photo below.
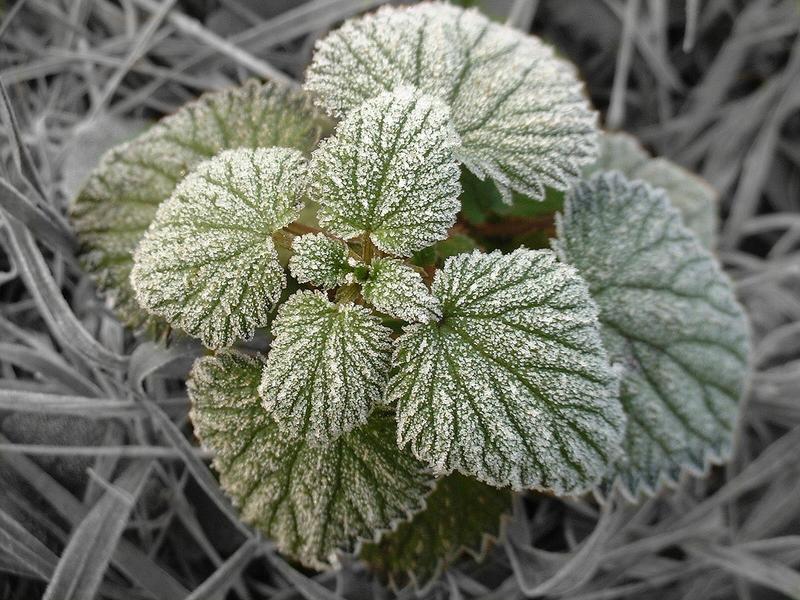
430 352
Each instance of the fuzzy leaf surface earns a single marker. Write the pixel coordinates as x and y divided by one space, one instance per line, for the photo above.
520 110
398 290
319 260
208 264
120 198
311 500
327 368
389 172
670 319
512 385
691 195
461 516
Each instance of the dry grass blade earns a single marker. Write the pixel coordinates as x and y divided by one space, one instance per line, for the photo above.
85 559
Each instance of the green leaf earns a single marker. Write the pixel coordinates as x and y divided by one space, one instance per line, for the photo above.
389 172
120 198
311 500
670 319
461 516
520 110
208 263
320 260
398 290
691 195
327 368
513 385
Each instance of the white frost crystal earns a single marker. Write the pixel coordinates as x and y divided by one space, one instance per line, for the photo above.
513 385
319 260
312 500
208 264
398 290
692 196
670 319
327 367
389 172
520 110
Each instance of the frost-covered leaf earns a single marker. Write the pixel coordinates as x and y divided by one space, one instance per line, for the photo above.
320 260
120 198
692 196
389 171
327 368
512 386
309 499
461 516
520 110
670 319
398 290
208 264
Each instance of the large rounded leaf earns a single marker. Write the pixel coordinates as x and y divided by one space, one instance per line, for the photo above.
208 264
519 109
512 385
311 500
461 516
122 195
327 368
670 319
389 172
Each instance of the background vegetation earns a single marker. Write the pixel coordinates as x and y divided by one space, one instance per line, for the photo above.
101 489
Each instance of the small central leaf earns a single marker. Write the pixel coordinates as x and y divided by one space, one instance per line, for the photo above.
312 500
513 385
327 367
320 260
399 291
208 264
389 172
670 319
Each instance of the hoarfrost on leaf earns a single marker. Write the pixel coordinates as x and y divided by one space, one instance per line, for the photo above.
311 500
669 318
512 385
389 172
692 196
121 196
461 516
520 110
327 368
398 290
208 264
320 260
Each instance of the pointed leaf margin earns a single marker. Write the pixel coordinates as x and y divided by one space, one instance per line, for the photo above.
313 501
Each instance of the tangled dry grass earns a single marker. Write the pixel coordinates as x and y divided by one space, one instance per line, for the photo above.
101 490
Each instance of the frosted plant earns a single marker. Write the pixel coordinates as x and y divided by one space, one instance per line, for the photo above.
424 353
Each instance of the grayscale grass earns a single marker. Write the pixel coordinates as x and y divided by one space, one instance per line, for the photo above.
102 490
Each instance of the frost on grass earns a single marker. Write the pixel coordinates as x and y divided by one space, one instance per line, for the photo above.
461 516
389 172
512 386
208 264
327 368
520 111
670 319
121 196
398 290
311 500
691 195
320 260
